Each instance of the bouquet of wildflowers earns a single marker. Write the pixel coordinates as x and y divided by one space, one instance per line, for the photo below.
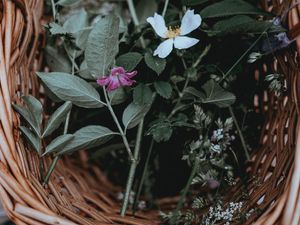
153 88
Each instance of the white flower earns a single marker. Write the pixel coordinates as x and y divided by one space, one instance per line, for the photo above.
175 35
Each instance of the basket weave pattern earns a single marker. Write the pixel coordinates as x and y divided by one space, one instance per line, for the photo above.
78 193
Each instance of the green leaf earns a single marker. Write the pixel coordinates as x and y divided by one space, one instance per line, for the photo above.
142 94
76 22
57 118
164 89
103 45
242 24
193 92
155 63
161 131
71 88
57 62
145 8
35 108
67 2
230 8
59 143
118 96
129 60
84 71
56 29
28 117
88 137
133 114
216 95
193 2
33 139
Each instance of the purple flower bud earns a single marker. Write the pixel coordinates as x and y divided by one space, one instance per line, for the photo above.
118 77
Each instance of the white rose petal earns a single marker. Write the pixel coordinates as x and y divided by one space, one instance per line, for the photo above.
158 24
190 22
164 49
182 42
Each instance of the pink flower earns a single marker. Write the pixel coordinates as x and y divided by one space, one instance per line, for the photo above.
118 77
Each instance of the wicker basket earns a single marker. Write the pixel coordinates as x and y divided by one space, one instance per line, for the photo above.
79 193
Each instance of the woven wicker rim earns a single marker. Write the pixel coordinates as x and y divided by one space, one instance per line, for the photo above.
79 193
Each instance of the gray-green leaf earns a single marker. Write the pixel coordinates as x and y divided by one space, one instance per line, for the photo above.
102 46
229 8
155 63
129 60
164 89
88 137
133 114
216 95
57 61
35 108
67 2
57 118
33 139
59 143
71 88
28 117
118 96
142 94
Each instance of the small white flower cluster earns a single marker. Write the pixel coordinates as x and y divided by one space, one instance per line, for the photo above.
217 214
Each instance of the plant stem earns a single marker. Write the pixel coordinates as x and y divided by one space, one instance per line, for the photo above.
135 20
132 170
57 157
185 190
53 9
145 169
122 133
165 8
240 133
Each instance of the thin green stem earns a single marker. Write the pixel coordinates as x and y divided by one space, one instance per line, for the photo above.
53 9
135 20
185 191
240 133
132 170
165 8
145 169
122 133
57 157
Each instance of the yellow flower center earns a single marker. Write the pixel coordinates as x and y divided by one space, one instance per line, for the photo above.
173 32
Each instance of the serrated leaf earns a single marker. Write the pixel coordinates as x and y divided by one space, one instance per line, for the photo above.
35 108
133 114
194 92
59 143
71 88
145 8
242 24
142 94
57 61
88 137
164 89
67 2
155 63
161 131
28 117
230 8
103 45
216 95
33 139
57 118
129 60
